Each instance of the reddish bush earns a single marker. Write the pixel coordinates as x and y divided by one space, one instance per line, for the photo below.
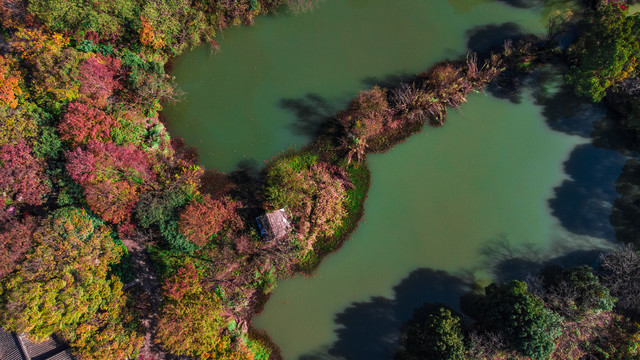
113 201
200 220
111 176
98 78
368 116
22 177
108 161
184 281
82 123
15 241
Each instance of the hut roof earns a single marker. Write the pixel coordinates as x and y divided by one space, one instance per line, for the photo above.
274 225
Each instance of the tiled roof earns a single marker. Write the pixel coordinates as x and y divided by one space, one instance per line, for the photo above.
19 347
9 349
65 355
34 349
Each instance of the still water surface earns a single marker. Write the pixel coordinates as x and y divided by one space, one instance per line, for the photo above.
442 206
271 82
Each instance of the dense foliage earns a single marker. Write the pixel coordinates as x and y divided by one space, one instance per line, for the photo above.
529 327
436 337
606 53
63 285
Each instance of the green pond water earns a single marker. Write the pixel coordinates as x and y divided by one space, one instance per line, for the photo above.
243 103
437 202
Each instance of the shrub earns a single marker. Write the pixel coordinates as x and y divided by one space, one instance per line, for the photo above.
22 177
314 193
578 291
529 327
436 337
606 53
202 219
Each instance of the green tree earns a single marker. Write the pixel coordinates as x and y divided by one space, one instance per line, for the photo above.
606 53
521 316
578 291
438 337
104 17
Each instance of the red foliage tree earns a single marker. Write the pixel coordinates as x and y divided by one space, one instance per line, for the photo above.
15 241
22 177
112 177
99 78
113 201
82 123
108 161
200 220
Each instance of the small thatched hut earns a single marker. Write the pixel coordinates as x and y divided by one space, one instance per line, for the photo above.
274 225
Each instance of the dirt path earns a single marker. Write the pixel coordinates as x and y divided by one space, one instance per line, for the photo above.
147 279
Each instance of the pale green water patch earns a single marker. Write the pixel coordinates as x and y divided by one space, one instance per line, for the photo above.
234 108
434 202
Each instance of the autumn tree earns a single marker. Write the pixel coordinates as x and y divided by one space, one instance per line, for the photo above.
108 335
63 282
15 241
148 35
191 322
99 77
22 177
9 83
83 123
112 177
202 219
54 66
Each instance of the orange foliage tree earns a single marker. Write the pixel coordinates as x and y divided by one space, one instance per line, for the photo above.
200 220
9 83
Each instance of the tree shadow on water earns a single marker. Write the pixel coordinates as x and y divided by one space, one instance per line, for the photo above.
625 215
583 203
311 112
486 38
392 81
507 261
369 329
